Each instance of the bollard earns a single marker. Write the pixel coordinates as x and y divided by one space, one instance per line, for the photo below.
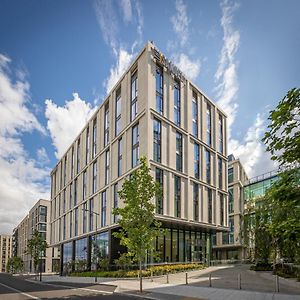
186 278
209 279
276 284
167 277
151 276
239 281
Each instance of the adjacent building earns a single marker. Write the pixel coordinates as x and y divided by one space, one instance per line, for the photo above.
38 219
153 110
5 250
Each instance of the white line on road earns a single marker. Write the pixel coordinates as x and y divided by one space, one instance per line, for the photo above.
18 291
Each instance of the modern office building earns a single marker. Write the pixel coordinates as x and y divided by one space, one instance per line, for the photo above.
153 110
38 219
229 245
5 250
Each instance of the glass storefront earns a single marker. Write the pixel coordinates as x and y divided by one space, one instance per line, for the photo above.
67 257
99 249
81 252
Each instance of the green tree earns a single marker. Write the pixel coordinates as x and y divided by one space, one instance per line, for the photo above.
15 264
138 225
36 247
283 135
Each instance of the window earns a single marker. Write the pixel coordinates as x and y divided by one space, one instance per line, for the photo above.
76 221
157 140
220 172
135 145
230 201
178 151
177 196
196 161
120 150
159 90
209 204
177 103
195 114
94 177
87 146
78 156
159 199
230 175
42 227
116 201
72 163
106 125
84 213
221 134
134 94
64 200
65 170
208 167
196 201
94 137
64 227
208 125
106 167
103 209
231 230
84 185
71 225
75 191
118 112
91 215
221 209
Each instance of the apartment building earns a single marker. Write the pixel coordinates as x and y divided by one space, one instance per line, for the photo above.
38 219
229 245
153 110
5 250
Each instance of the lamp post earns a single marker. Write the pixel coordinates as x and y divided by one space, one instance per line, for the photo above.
97 214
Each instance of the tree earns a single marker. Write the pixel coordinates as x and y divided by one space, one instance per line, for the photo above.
36 248
15 264
283 137
138 225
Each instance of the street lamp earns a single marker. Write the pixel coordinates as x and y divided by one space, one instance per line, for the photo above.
97 214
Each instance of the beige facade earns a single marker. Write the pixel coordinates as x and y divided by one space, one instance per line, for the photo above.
38 219
230 245
155 111
5 250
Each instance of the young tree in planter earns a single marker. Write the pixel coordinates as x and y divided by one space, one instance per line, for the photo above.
138 225
36 246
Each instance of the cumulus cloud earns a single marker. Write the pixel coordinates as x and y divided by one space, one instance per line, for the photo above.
23 181
65 122
189 67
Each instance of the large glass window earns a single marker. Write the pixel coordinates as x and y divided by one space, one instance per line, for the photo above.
103 209
78 155
221 134
231 230
178 151
221 209
157 140
72 162
159 199
209 204
65 170
118 112
175 256
87 146
75 191
208 125
84 185
230 201
196 201
91 214
120 151
177 104
76 221
67 255
106 124
195 114
100 244
134 95
220 172
64 200
94 177
135 145
177 196
116 200
181 246
64 227
71 225
70 195
159 90
168 246
208 166
230 175
81 250
84 218
94 137
106 167
196 161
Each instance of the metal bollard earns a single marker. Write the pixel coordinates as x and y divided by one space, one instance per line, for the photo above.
151 276
167 277
209 279
186 278
276 284
239 281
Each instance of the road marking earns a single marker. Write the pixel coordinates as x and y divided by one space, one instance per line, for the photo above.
19 292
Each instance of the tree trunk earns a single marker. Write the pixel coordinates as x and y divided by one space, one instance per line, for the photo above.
140 275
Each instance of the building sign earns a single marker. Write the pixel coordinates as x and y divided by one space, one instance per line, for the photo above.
171 68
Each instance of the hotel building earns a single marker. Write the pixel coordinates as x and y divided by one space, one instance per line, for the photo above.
153 110
5 250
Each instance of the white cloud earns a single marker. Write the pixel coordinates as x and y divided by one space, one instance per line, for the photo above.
23 181
127 10
65 123
181 22
189 67
42 156
124 59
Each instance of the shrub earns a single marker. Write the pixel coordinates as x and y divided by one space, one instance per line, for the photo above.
261 266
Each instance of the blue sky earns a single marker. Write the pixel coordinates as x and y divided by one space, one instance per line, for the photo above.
59 58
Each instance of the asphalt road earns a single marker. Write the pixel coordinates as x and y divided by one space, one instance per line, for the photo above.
19 288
